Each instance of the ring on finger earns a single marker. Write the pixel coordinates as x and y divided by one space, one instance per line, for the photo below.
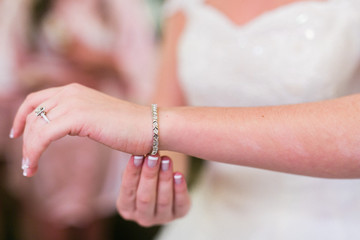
40 111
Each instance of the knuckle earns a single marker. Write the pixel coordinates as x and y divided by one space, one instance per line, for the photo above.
150 175
164 202
144 200
128 193
165 177
134 174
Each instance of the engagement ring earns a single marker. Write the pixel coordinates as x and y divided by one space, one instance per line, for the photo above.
40 111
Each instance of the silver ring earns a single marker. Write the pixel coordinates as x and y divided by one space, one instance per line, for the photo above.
40 111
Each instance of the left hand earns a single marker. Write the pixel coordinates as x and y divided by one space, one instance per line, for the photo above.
78 110
151 193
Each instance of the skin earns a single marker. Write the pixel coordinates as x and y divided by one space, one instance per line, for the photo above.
243 11
316 139
149 196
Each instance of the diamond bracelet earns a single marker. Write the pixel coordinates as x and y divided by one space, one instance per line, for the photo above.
155 127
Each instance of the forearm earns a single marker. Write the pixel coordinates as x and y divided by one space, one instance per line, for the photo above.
318 139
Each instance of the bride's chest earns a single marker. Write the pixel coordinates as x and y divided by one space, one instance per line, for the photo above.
300 53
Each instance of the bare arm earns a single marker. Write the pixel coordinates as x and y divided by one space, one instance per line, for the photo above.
318 139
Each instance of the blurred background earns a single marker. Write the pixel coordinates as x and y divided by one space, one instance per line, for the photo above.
47 43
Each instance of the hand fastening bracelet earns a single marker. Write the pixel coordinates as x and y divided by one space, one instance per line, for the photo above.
155 127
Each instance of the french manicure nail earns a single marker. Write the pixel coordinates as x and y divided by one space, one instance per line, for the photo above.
152 160
11 135
25 172
25 163
165 165
178 178
138 160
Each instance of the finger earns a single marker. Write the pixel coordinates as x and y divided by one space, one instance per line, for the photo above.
38 135
147 190
33 126
165 193
27 172
182 198
31 102
126 202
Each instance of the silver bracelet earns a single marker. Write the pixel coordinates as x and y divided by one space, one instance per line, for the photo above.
155 126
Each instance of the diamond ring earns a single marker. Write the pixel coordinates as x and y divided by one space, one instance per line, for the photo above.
40 111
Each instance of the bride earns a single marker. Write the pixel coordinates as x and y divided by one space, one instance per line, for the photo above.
266 80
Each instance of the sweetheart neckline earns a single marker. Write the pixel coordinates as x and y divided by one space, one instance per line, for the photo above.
267 14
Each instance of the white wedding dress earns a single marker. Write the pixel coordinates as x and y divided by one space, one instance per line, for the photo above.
300 52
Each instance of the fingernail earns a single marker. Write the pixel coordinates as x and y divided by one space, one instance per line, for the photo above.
178 178
25 164
25 172
152 160
165 165
11 135
138 160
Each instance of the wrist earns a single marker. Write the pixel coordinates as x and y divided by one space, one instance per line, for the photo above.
170 128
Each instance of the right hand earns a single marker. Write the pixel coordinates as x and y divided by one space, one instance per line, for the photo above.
78 110
151 193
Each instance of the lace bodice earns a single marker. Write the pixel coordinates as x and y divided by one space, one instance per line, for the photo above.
304 51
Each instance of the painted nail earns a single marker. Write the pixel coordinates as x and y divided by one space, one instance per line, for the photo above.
178 178
25 163
11 135
138 160
25 172
152 160
165 165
